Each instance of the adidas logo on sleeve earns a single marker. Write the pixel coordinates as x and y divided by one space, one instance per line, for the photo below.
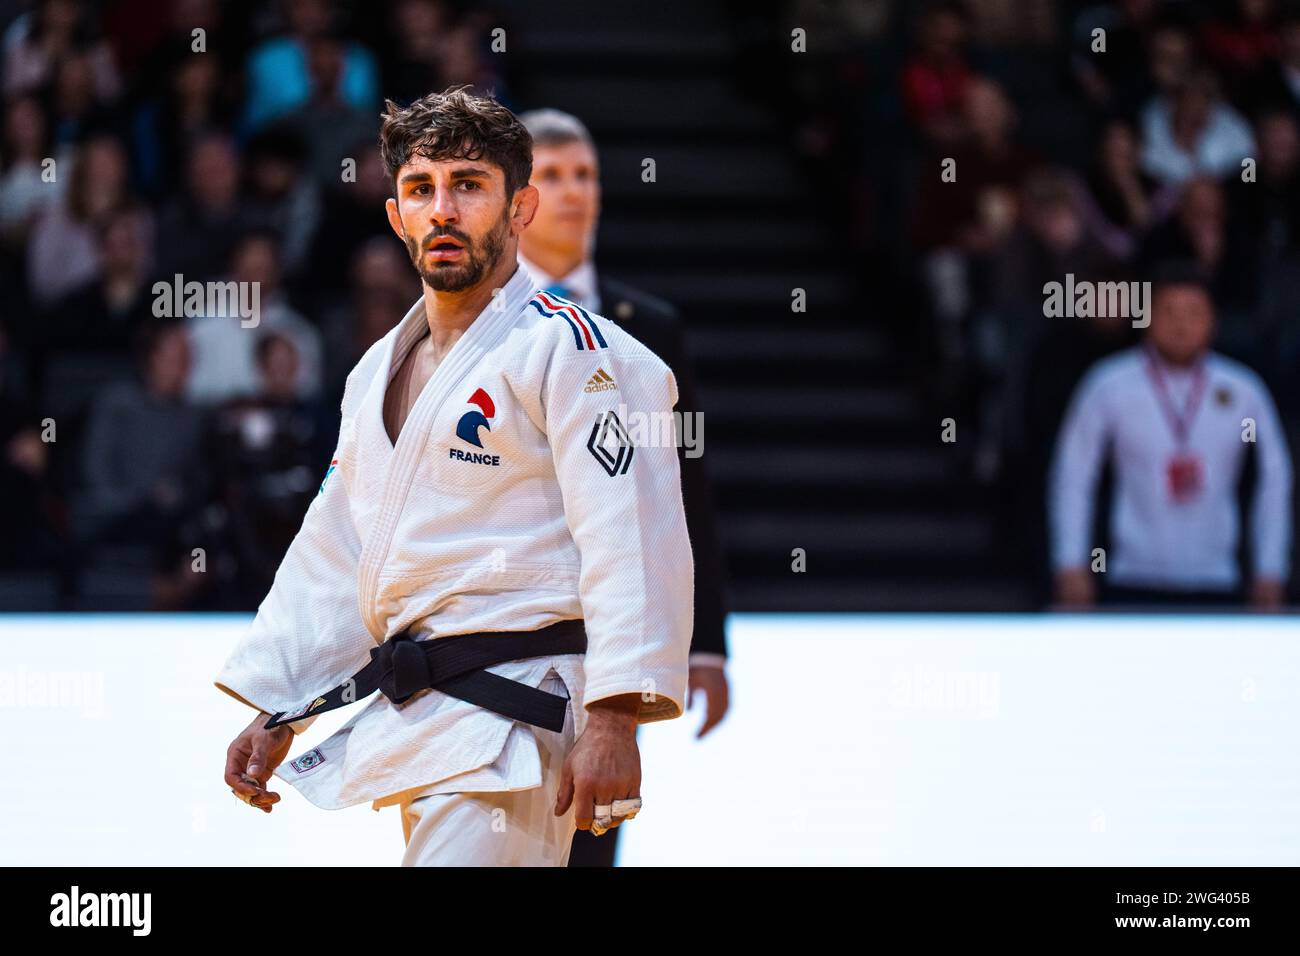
602 381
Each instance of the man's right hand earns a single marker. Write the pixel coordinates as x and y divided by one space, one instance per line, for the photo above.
1076 589
253 756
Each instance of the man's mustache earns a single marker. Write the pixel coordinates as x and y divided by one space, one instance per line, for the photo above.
446 234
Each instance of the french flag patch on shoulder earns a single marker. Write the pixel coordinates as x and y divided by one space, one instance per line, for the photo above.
586 334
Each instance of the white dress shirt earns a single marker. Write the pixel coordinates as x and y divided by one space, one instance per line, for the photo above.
1159 539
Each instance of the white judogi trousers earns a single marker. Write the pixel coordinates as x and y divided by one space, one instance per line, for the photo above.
496 828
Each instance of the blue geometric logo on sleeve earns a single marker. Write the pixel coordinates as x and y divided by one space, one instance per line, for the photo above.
610 444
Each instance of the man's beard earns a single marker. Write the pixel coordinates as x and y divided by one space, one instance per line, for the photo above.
445 277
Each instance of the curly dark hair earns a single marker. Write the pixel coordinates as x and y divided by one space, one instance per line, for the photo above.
456 124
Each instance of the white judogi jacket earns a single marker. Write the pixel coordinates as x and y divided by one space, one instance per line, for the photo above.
508 504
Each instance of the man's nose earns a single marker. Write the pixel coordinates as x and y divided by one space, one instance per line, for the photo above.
443 207
573 189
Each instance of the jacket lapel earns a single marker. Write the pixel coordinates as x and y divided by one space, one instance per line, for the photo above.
486 330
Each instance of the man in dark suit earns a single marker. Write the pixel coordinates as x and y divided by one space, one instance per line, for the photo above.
557 249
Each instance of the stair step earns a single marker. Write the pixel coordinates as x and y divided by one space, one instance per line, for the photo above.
699 171
827 295
788 344
778 407
621 234
862 534
830 466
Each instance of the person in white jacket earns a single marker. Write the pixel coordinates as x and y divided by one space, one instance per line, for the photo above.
1177 420
484 504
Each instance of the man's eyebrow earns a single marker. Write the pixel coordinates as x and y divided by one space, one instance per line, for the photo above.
415 178
474 172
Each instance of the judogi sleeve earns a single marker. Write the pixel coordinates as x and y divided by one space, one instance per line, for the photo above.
308 635
1270 517
1076 466
621 487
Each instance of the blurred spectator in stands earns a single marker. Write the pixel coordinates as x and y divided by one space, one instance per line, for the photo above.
282 196
142 468
62 251
380 292
327 122
1050 243
348 222
192 101
936 76
1264 213
150 38
1116 80
371 309
970 217
1198 231
1194 132
106 313
1178 421
1054 363
23 191
279 76
265 449
1119 201
1171 58
1277 83
38 41
225 358
1241 43
198 229
413 68
24 461
463 60
1010 23
77 108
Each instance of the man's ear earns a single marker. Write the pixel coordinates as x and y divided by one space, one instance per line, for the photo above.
394 218
525 208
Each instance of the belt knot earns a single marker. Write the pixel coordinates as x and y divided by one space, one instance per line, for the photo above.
404 668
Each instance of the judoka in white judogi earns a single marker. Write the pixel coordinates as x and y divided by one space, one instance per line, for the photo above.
511 500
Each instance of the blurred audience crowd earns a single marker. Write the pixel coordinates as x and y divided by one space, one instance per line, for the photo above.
1103 140
156 459
142 140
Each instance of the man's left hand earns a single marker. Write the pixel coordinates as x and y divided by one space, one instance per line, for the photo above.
1267 594
605 764
712 682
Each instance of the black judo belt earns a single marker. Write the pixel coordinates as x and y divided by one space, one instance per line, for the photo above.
400 667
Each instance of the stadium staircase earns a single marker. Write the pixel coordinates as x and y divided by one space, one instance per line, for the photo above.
815 437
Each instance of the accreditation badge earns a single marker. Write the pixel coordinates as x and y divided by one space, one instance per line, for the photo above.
1185 476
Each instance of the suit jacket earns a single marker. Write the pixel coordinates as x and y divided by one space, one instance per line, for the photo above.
657 326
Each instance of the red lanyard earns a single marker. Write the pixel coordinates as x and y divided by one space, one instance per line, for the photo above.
1180 423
